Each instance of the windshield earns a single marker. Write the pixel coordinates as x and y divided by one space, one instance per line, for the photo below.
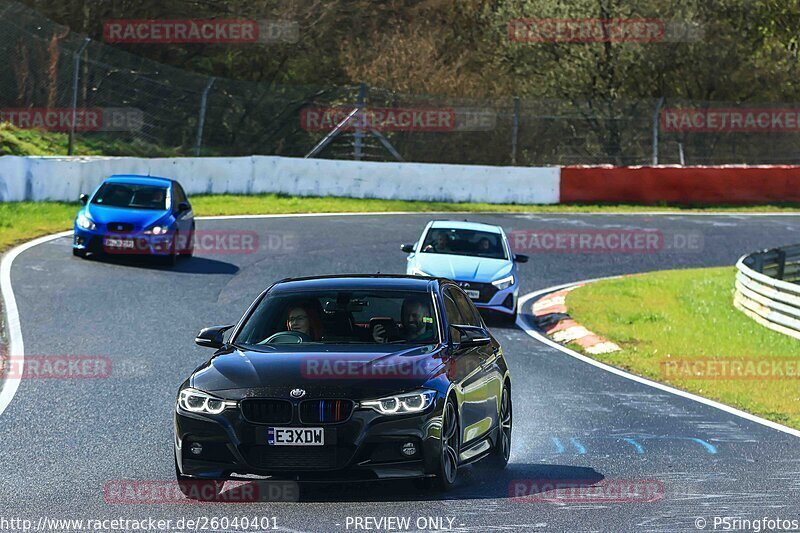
342 317
464 242
131 196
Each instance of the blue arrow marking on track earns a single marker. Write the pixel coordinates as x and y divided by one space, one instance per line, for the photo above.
559 446
578 445
710 448
639 447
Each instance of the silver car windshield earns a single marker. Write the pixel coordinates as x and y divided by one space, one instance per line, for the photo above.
464 242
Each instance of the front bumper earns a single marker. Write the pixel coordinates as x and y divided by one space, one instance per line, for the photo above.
367 446
491 299
93 241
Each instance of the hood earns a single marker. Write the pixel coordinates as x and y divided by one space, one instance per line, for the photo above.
464 267
140 218
359 372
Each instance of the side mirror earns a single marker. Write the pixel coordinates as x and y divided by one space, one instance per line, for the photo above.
519 258
83 198
212 337
469 336
183 207
407 247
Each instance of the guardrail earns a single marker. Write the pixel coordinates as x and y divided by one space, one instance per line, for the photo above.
767 289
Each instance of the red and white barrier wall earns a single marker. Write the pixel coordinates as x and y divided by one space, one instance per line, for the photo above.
64 178
680 185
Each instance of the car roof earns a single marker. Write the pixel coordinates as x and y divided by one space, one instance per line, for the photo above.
356 282
137 179
464 224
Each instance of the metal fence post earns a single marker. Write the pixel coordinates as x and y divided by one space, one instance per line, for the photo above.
201 120
656 116
515 131
359 133
75 75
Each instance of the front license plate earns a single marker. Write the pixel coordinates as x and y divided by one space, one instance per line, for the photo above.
118 243
295 436
473 294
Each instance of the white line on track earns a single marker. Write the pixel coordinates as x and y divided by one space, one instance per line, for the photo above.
16 348
530 330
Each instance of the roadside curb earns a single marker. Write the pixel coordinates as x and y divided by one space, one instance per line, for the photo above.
534 331
552 316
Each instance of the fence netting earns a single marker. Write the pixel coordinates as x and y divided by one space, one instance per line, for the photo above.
127 105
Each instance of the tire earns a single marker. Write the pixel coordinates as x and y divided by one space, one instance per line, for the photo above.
79 253
188 251
502 450
204 490
172 259
448 457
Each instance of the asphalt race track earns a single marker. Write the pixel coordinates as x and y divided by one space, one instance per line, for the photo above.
63 441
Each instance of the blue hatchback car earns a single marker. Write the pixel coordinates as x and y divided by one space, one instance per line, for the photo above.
130 214
476 256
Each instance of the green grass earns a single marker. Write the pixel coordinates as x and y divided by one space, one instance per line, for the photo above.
689 315
16 141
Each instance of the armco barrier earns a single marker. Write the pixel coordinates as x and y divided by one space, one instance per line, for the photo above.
65 178
681 185
766 288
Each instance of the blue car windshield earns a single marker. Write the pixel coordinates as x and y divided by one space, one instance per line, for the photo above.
464 242
342 317
131 196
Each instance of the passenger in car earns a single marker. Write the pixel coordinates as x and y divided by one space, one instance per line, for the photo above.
304 318
415 323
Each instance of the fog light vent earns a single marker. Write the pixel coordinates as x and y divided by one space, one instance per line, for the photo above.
196 448
409 449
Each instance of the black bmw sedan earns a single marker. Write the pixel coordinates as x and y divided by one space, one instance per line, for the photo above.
346 378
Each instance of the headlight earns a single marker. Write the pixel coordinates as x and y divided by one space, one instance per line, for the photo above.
196 401
504 283
84 222
417 272
414 402
157 230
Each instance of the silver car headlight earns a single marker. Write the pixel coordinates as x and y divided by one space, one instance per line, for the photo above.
85 222
504 283
197 401
413 402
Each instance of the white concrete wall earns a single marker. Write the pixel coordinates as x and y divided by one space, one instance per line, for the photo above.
64 178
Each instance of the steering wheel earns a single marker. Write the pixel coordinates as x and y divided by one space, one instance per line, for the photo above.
286 337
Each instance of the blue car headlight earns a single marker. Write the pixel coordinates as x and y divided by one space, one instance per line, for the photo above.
157 230
416 271
84 222
504 283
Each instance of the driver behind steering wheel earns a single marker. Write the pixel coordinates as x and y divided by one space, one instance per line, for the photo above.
303 318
